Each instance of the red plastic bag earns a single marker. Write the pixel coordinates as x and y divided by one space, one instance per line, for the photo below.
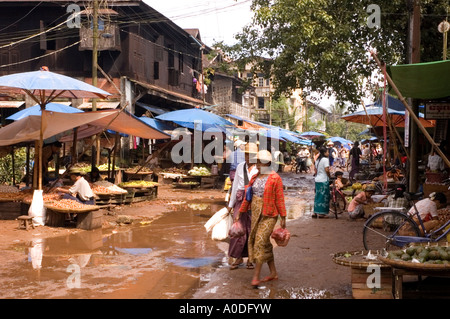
281 236
236 230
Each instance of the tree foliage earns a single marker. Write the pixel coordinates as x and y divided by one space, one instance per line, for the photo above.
285 115
322 45
6 164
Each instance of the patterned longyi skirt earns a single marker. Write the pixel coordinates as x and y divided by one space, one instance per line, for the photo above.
260 248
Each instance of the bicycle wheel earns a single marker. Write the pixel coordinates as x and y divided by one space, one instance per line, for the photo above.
333 205
380 230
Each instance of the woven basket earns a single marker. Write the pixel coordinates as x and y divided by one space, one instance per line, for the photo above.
369 209
356 259
417 266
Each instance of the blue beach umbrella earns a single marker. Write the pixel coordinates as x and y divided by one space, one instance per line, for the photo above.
44 87
36 110
160 125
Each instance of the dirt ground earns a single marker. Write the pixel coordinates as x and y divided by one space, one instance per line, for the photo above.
305 266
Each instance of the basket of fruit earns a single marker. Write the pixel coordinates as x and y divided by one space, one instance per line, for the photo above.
357 259
199 171
186 185
138 184
420 256
70 206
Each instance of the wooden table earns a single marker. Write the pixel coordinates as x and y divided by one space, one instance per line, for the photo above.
401 268
397 279
86 219
362 272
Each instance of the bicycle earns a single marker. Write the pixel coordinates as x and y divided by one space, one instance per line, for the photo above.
393 226
337 198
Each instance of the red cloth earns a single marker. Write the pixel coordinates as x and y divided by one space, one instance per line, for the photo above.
273 198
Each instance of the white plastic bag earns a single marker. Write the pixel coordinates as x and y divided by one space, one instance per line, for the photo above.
221 229
217 217
37 209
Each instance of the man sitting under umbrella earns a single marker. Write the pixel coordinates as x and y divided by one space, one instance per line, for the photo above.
80 191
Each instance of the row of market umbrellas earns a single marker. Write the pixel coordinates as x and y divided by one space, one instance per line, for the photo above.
44 87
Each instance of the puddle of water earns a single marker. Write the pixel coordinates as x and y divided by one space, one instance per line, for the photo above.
167 258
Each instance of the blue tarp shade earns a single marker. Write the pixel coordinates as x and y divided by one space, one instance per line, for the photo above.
274 131
391 103
340 140
160 125
197 119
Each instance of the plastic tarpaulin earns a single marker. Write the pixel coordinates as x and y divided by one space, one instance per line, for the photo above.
429 80
53 123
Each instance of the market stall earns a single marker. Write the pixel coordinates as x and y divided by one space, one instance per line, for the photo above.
138 191
108 193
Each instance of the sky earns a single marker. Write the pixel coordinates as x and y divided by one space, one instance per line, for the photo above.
217 20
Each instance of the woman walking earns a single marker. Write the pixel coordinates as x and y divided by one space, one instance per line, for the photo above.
266 204
244 172
322 184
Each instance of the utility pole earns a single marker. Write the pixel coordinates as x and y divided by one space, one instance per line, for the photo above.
96 148
414 57
94 48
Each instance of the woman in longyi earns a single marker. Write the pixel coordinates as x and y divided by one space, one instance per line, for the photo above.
266 204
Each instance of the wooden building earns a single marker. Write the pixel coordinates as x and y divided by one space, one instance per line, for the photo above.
142 55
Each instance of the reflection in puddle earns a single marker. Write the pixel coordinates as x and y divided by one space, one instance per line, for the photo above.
168 258
165 259
193 262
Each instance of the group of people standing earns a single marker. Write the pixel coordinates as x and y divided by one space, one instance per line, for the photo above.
257 201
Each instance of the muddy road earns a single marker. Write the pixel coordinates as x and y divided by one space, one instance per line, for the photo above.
163 252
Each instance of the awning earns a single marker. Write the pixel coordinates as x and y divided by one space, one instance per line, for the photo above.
170 95
275 131
11 104
28 129
422 80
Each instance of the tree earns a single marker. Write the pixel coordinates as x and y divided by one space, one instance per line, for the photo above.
322 45
285 115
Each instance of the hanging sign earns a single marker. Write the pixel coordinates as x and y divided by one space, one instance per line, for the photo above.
437 111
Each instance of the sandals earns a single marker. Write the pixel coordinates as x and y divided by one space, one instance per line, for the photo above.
250 266
314 215
236 264
268 278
